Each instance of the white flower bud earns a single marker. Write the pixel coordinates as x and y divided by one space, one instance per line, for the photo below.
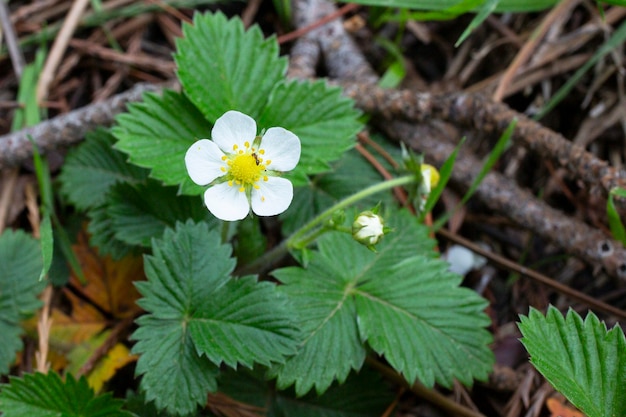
368 228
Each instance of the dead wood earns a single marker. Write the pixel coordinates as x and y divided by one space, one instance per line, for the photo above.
67 129
482 114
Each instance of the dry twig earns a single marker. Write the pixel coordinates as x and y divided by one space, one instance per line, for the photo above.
68 129
480 113
58 48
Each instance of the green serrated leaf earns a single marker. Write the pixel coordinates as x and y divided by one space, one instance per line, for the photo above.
102 234
581 359
426 326
46 395
244 322
324 120
156 134
142 212
198 314
93 167
326 314
223 67
169 355
328 293
20 267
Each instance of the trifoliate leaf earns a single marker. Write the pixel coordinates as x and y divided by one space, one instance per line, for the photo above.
91 168
244 322
20 266
196 309
156 134
142 212
46 395
324 120
581 359
222 67
348 296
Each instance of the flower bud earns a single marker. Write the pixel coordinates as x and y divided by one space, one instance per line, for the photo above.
430 178
368 229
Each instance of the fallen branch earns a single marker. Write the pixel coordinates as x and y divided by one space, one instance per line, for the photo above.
67 129
484 115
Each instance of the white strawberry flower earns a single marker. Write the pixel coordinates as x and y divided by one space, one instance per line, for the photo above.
242 168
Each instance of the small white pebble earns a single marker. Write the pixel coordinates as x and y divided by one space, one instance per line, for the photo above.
463 260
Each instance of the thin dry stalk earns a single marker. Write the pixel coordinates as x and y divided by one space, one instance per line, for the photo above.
58 48
44 322
526 52
249 13
17 58
140 60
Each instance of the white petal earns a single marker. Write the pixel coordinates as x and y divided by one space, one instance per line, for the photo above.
281 147
273 196
233 128
203 161
226 203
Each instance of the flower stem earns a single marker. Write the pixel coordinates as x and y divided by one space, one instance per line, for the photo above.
293 241
308 233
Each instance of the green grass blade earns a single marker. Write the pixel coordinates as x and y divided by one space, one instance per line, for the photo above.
444 176
47 244
495 154
396 71
487 8
615 222
503 6
463 6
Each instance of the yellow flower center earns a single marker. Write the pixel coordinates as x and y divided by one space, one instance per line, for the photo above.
245 167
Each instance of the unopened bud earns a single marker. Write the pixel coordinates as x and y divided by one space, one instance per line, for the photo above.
368 228
430 178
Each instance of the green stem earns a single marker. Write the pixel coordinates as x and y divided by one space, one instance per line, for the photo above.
320 218
305 235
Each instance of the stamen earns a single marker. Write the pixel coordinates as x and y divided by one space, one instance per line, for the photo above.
242 189
262 199
246 144
262 151
230 183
